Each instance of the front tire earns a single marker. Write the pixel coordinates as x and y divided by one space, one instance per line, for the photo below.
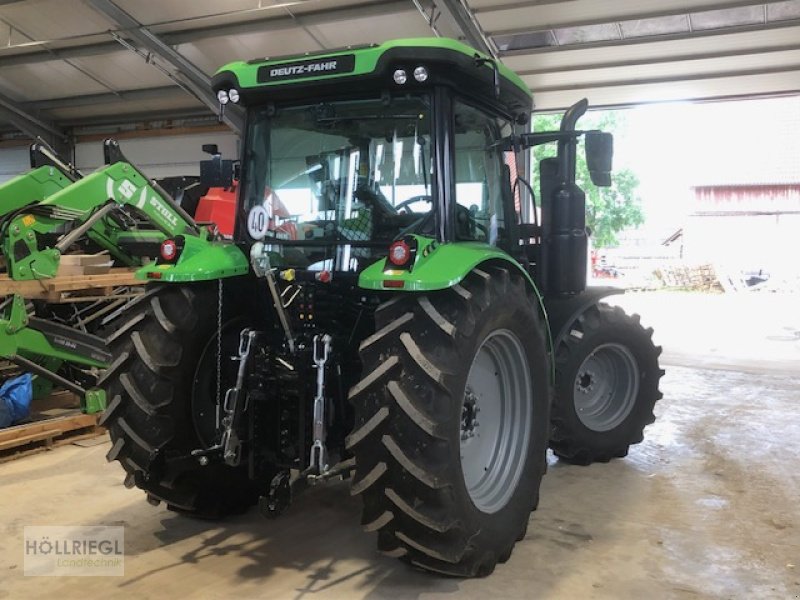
447 487
607 376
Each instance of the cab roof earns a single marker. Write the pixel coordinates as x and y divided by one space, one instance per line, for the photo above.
372 67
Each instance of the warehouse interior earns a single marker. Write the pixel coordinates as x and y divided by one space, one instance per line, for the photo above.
703 507
116 67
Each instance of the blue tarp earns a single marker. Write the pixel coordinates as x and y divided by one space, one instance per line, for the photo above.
15 399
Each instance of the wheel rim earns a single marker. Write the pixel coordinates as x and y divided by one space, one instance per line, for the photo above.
495 421
606 387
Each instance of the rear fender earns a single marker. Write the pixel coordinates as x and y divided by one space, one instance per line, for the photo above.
199 260
438 266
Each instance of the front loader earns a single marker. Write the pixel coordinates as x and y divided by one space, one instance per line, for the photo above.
395 306
48 174
53 210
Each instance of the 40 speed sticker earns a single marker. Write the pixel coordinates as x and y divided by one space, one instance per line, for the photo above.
257 222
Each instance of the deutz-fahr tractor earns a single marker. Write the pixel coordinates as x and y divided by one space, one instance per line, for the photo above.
397 306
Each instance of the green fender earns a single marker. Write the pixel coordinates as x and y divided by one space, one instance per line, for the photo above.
440 266
200 260
436 267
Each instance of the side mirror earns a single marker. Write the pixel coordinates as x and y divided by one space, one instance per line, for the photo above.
600 157
216 172
211 149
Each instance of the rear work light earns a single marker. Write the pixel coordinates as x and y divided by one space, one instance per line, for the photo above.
169 250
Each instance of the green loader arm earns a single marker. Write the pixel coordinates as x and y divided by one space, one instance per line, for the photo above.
34 239
33 186
39 346
115 203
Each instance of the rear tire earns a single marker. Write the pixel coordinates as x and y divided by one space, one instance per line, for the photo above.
442 499
157 348
607 376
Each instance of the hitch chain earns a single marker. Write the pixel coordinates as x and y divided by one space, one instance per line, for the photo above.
218 396
234 404
319 454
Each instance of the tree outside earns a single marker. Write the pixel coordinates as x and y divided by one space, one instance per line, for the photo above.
608 210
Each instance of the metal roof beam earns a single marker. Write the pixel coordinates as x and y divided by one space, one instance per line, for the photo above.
795 68
637 62
139 95
154 116
192 78
453 18
187 36
34 127
67 53
681 8
669 37
699 99
326 16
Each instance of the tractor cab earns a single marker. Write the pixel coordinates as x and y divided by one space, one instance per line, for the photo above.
347 153
364 153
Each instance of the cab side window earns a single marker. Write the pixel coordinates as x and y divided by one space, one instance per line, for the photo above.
480 176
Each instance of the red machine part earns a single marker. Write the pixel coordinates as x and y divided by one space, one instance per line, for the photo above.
218 206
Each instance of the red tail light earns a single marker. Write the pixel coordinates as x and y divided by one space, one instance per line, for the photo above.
169 250
399 253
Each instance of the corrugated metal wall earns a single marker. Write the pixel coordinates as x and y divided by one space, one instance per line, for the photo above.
12 162
161 156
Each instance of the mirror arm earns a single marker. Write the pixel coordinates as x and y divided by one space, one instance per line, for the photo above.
528 140
480 61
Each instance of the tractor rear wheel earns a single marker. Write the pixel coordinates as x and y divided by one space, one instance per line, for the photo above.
162 402
451 423
607 377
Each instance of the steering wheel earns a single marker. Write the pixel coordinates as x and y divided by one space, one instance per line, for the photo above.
405 204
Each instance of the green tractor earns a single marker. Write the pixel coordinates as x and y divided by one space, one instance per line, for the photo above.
395 307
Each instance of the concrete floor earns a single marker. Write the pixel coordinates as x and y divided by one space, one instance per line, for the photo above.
706 507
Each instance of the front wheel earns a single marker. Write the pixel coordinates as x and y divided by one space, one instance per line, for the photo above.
607 377
451 423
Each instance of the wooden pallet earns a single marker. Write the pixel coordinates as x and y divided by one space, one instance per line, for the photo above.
70 288
57 419
694 277
46 434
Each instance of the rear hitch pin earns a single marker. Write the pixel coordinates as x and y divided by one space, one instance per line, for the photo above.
285 364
